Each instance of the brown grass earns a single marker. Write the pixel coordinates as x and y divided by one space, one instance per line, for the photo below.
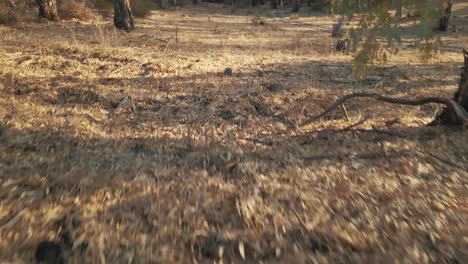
103 6
208 167
142 8
8 14
69 9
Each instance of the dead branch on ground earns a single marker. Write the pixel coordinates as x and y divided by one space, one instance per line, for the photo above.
458 114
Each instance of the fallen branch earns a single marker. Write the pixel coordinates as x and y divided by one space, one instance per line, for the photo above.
458 114
13 220
448 162
360 121
123 103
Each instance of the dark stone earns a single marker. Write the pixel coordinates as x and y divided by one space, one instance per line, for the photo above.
275 87
67 239
228 72
343 45
227 114
83 246
49 252
318 246
141 148
75 222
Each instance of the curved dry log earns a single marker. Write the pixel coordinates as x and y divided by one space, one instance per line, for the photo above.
458 115
460 97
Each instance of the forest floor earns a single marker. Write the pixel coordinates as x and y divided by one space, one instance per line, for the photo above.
197 165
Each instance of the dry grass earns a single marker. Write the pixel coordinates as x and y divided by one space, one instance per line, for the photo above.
69 9
8 14
207 166
142 8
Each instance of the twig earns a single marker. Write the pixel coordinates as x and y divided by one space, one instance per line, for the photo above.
13 220
448 162
333 64
345 112
348 128
260 141
335 81
123 103
454 107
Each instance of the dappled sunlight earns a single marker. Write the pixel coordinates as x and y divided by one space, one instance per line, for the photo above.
143 147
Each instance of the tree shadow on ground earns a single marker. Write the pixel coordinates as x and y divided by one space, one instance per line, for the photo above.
169 189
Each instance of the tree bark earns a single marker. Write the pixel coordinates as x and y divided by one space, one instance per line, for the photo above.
296 6
399 8
444 21
454 114
461 98
48 9
123 17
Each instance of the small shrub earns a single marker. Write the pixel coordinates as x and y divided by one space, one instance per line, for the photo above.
257 20
323 6
8 14
104 7
69 9
142 8
184 2
294 16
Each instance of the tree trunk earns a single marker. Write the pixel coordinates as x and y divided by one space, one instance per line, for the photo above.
274 4
444 21
48 9
461 98
123 17
399 8
296 6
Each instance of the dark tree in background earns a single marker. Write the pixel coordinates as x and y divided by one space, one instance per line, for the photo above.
296 6
445 20
48 9
123 17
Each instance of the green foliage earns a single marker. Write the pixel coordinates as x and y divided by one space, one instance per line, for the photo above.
378 31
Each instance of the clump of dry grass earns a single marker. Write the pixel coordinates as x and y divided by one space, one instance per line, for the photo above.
257 20
103 6
294 16
142 8
9 15
69 9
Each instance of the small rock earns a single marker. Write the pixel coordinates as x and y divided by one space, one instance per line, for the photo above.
227 114
275 87
75 222
83 246
49 252
67 239
318 246
241 250
438 206
392 122
146 72
228 72
422 169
